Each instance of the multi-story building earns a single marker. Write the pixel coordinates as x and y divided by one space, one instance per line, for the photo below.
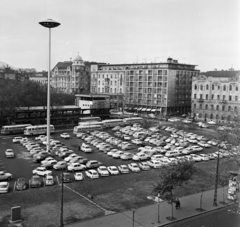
163 87
71 76
216 95
40 77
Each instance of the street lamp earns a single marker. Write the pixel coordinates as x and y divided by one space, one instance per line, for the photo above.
49 23
133 217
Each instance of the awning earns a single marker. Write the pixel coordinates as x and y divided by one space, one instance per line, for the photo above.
139 108
143 109
148 109
153 110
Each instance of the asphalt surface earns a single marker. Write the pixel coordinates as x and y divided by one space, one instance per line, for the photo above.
22 165
220 218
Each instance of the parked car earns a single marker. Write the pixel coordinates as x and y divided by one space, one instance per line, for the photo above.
5 176
144 166
103 171
66 177
93 174
154 164
126 156
17 139
35 182
78 176
4 187
21 184
134 167
60 165
41 171
50 164
76 167
123 169
93 164
49 180
113 170
140 156
65 135
9 153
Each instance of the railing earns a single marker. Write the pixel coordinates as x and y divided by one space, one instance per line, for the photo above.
200 100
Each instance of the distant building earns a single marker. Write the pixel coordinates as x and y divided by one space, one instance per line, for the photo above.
216 95
147 87
39 77
71 76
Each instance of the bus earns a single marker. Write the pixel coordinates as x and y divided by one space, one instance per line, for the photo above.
132 120
83 119
113 122
90 123
37 130
83 128
13 129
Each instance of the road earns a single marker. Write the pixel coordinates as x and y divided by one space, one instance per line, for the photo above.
219 218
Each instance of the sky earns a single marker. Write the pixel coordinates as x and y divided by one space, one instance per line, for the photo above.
200 32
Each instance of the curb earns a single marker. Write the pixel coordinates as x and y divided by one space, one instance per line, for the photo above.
195 215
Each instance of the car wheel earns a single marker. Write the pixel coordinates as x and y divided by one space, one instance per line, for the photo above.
9 178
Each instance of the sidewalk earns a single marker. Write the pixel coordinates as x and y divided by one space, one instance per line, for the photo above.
148 216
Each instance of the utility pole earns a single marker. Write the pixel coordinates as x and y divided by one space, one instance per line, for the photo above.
61 218
216 182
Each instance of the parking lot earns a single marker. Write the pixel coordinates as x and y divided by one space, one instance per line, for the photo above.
22 165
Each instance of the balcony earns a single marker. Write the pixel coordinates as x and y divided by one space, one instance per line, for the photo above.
223 101
200 100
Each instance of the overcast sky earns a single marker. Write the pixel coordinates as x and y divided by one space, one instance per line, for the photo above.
201 32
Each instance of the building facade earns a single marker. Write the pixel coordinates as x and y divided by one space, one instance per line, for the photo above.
39 77
163 87
216 95
71 76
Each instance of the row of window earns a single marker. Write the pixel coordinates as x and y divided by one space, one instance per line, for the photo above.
211 107
216 87
106 90
230 98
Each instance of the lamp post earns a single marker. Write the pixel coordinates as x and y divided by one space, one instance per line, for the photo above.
133 217
49 23
158 195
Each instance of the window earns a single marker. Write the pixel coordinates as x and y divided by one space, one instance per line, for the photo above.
236 98
224 87
217 107
230 87
201 87
235 108
206 97
218 97
195 96
219 87
120 90
207 87
236 88
223 97
200 106
115 90
206 107
212 86
212 107
229 108
201 96
230 98
212 97
195 87
195 106
223 108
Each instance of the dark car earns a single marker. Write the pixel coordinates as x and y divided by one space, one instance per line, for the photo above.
66 177
21 184
35 182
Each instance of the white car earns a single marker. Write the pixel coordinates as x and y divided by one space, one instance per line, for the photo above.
65 135
140 157
41 171
46 160
123 169
5 176
154 164
71 156
103 171
9 153
203 144
137 141
4 187
196 158
204 157
93 174
113 170
78 176
76 167
49 180
144 166
134 167
17 139
86 149
212 122
117 154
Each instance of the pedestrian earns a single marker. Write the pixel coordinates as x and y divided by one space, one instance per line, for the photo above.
178 204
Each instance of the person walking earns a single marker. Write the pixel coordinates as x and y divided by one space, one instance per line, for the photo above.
178 204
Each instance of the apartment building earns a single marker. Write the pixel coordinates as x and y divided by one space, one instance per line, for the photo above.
216 95
148 87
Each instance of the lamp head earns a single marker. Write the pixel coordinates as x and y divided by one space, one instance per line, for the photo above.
49 23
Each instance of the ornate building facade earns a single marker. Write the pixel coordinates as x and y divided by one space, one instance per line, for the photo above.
164 87
216 95
71 76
